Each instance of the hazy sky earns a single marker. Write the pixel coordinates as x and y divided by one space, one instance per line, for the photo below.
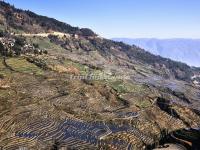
124 18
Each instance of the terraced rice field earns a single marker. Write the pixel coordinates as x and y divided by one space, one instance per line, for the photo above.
69 132
42 109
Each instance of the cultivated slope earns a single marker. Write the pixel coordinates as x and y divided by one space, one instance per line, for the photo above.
65 87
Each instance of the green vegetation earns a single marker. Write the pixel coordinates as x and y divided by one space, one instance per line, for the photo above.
143 103
2 27
1 33
125 87
6 94
2 49
43 43
43 23
36 91
87 32
82 68
19 43
15 50
3 70
1 64
119 86
22 65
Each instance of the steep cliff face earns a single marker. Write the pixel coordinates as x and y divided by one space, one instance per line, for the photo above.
65 87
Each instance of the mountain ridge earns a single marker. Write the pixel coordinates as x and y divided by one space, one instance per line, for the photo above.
180 49
33 23
66 88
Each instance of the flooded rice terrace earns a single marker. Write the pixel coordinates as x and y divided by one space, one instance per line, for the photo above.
77 134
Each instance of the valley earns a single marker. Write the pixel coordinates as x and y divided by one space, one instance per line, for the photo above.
63 87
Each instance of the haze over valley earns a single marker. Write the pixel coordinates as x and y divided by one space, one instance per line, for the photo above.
183 50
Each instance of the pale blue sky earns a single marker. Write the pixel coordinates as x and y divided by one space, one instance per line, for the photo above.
124 18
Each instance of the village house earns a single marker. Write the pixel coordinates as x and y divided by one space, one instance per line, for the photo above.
8 42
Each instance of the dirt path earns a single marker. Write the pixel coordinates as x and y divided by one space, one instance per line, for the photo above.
60 34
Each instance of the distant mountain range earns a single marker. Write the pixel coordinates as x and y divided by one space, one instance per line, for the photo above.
82 41
184 50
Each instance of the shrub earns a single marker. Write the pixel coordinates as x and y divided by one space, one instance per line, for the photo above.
20 41
2 50
1 33
87 32
35 45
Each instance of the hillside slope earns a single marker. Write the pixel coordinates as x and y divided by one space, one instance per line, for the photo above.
17 21
183 50
66 87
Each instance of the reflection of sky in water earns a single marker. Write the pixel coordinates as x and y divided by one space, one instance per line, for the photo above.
159 81
73 130
174 85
